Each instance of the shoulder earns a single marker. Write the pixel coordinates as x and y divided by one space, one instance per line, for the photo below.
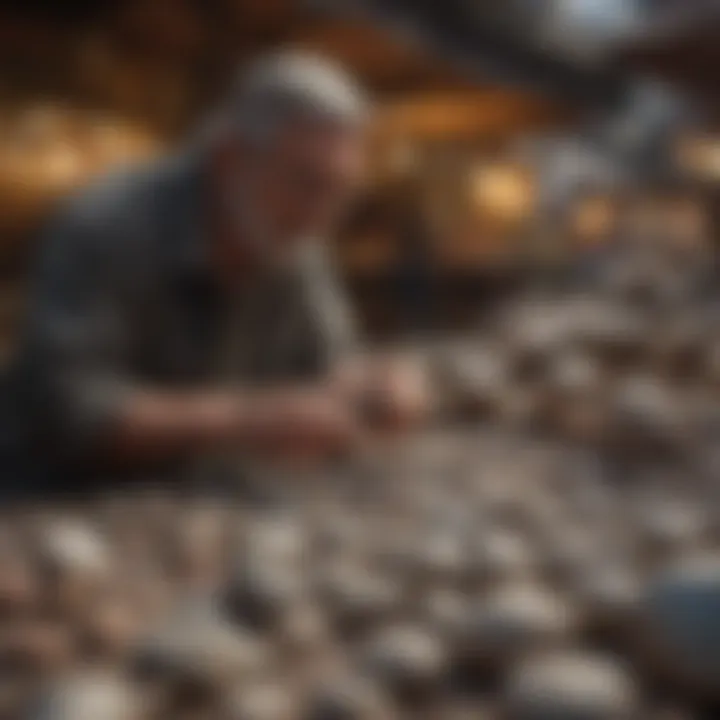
112 220
116 207
110 197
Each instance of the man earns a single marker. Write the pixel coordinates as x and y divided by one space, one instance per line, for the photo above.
186 309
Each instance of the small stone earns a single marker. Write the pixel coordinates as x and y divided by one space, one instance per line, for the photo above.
199 645
405 659
513 621
91 696
571 686
264 701
261 592
356 597
348 699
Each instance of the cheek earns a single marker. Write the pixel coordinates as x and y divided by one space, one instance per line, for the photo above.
290 209
266 195
298 211
271 205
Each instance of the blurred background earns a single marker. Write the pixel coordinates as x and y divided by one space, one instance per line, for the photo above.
498 126
543 224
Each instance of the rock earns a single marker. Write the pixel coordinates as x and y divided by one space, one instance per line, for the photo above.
262 701
19 584
90 696
571 686
304 630
407 660
647 416
196 547
75 564
348 699
609 598
279 538
196 644
569 550
513 621
261 592
574 374
473 379
498 555
109 629
68 547
440 557
668 528
445 611
38 647
355 597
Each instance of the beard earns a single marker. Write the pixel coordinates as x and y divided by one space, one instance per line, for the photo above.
257 237
252 234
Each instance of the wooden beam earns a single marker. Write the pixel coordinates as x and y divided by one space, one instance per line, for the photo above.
465 115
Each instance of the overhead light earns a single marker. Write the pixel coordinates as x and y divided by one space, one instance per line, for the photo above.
700 156
589 29
505 192
608 18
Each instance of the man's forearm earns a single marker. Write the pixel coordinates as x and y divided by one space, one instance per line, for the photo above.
156 425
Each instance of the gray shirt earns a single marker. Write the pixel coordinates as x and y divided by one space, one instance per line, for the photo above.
125 297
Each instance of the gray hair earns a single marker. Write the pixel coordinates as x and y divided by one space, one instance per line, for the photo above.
288 86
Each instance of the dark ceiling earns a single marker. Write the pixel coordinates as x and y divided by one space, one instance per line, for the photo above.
494 41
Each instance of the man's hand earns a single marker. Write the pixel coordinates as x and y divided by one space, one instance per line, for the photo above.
390 393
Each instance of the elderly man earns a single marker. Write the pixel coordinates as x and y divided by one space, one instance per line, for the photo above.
186 309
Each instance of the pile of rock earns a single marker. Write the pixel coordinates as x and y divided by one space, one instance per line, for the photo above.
548 552
481 574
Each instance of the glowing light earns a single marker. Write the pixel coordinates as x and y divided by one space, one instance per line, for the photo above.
505 192
700 155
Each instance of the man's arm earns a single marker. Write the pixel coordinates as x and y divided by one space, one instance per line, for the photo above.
86 399
288 421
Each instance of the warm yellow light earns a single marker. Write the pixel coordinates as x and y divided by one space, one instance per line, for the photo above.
46 150
504 192
62 165
700 155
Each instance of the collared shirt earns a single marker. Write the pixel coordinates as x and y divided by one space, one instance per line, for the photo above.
125 297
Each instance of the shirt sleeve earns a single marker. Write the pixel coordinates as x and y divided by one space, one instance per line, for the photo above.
77 344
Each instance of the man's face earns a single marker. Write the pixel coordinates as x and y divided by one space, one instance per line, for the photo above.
296 186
